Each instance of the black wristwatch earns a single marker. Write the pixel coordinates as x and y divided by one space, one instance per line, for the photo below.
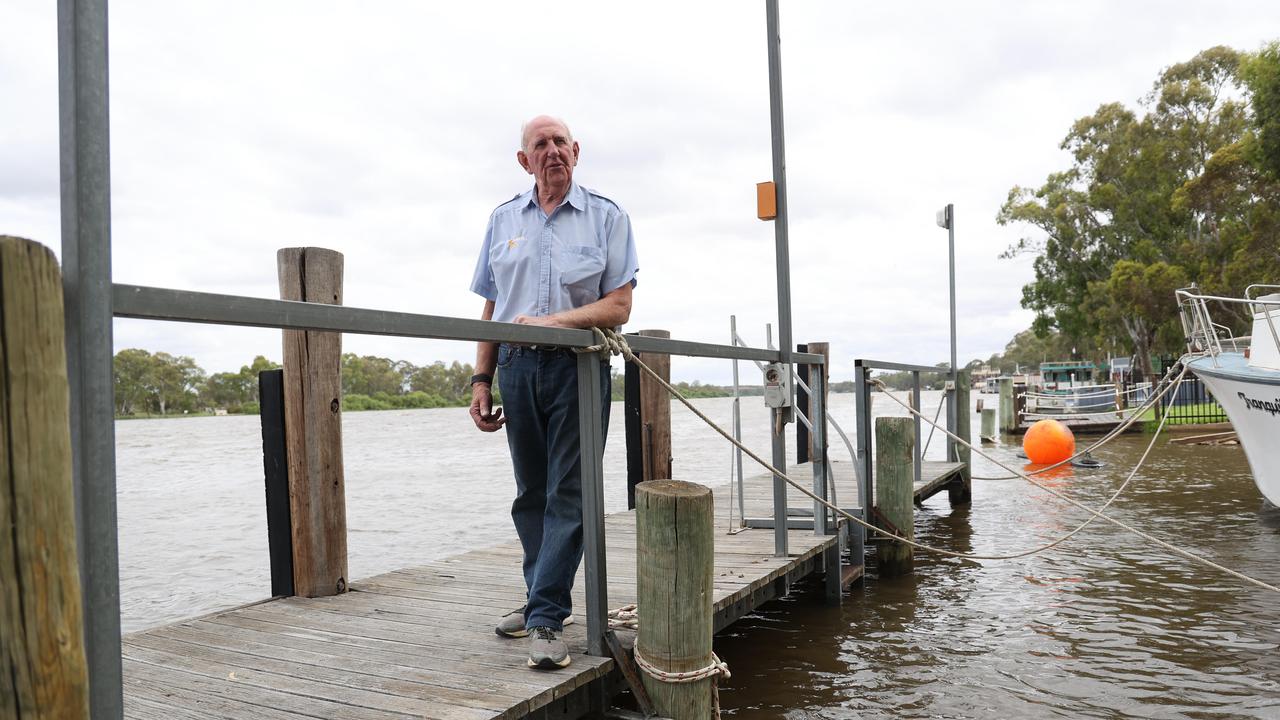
482 377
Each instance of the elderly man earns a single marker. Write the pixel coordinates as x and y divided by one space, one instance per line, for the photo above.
558 255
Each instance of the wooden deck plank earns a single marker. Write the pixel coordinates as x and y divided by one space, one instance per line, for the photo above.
255 700
935 477
316 682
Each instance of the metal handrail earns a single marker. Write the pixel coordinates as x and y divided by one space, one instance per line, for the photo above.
1202 334
151 303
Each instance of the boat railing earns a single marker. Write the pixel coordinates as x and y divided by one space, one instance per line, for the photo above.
1205 337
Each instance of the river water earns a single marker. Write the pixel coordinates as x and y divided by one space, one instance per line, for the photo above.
1102 626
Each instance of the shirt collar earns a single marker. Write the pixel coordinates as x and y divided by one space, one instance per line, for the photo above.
576 197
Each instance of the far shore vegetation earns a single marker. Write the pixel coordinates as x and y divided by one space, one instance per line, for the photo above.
159 384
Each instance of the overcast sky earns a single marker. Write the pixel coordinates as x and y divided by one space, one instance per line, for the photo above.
388 133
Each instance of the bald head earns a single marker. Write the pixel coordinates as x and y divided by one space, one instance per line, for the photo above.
537 123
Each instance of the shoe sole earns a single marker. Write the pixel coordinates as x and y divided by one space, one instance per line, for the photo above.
523 632
549 664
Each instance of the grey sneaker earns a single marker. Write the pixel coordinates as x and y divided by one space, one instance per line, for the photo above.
546 650
511 625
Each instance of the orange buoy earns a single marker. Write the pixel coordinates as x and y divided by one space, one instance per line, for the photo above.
1048 442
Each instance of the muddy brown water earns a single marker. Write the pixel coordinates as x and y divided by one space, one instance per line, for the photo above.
1104 626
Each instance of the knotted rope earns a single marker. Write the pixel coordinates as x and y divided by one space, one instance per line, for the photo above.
717 669
624 618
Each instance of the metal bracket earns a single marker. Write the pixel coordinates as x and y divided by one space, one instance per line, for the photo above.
631 673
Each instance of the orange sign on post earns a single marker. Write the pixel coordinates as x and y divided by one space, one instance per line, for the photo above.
766 201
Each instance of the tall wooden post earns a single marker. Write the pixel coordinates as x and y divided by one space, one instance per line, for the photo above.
674 559
655 413
313 426
43 671
895 495
1006 404
960 494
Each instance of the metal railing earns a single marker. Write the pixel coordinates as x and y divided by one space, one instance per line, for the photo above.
824 517
865 432
1205 337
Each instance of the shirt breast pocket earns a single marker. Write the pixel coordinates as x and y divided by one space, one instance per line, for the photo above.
580 276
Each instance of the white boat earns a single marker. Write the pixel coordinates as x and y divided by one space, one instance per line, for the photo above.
1243 373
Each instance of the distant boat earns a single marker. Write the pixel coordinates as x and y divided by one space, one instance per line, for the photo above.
1242 373
1068 392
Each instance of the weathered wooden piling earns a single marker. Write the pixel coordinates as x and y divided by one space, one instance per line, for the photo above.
647 410
1006 404
655 412
988 425
43 671
960 494
313 426
674 560
895 448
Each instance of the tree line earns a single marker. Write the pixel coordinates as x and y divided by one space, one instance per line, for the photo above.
149 384
162 384
1181 190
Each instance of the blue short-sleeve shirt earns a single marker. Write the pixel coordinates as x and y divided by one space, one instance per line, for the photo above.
535 264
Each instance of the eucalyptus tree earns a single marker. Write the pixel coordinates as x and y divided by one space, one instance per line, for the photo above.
1154 198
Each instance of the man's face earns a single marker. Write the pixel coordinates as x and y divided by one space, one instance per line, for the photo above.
549 154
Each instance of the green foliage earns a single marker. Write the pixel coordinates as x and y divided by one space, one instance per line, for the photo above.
1155 199
155 384
1261 73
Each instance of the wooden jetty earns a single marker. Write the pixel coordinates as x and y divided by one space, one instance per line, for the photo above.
419 642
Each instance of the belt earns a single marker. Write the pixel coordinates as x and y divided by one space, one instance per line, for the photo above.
540 348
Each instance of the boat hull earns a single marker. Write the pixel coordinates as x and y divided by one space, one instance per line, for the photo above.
1251 399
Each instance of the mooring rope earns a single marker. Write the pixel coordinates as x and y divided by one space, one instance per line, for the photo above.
715 670
1166 383
612 342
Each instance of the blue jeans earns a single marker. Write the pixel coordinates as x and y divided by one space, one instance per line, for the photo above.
540 400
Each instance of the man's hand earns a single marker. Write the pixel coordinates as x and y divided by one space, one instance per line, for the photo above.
543 320
483 413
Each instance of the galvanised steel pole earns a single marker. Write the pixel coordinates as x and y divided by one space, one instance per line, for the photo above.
782 248
86 281
591 452
953 412
783 262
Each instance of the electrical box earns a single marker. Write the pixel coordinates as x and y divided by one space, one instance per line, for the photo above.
777 386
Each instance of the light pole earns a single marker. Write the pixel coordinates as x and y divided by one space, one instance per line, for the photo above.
947 219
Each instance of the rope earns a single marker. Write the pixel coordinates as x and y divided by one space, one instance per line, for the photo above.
717 669
626 352
1112 434
614 340
1098 515
627 618
624 618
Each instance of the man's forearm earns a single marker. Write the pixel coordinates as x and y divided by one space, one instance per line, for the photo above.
609 311
486 358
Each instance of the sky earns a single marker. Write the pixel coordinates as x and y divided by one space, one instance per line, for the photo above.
387 131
